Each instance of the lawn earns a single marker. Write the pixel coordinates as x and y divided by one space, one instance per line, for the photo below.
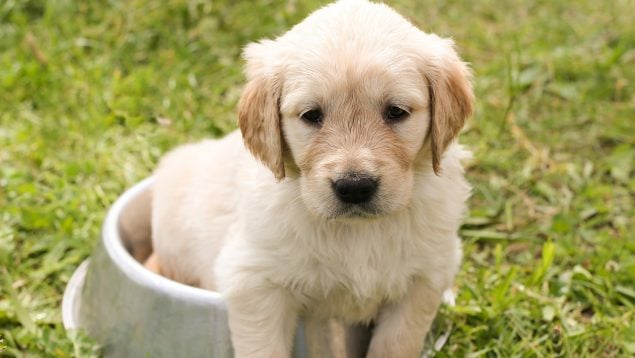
92 93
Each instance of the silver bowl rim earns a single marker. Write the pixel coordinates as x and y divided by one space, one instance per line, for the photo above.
131 268
72 299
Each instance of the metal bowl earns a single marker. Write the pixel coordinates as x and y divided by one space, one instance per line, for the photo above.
133 312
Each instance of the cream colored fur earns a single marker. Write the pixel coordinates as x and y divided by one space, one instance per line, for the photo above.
275 240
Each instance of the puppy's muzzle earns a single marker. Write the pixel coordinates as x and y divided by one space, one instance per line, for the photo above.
355 188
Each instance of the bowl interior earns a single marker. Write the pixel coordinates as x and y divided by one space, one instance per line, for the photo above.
134 224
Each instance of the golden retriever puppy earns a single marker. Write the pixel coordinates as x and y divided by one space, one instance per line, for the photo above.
341 196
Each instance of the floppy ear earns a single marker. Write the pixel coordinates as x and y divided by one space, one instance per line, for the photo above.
258 111
451 98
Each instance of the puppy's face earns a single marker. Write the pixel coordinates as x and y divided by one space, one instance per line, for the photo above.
354 124
353 101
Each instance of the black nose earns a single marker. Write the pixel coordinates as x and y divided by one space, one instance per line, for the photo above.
355 189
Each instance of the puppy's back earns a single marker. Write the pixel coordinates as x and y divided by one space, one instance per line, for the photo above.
193 204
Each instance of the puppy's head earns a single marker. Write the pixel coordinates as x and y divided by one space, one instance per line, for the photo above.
352 101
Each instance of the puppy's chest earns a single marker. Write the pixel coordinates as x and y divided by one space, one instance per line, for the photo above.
343 305
352 283
351 294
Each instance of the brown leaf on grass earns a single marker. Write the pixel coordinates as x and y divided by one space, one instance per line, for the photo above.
39 55
517 248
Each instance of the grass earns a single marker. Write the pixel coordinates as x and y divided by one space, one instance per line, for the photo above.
92 93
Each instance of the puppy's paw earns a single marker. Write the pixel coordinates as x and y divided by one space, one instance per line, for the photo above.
152 263
449 298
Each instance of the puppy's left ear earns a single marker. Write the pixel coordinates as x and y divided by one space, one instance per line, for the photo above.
451 95
258 109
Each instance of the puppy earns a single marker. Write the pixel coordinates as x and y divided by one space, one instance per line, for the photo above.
344 201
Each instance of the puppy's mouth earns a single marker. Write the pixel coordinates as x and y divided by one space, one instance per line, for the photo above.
364 211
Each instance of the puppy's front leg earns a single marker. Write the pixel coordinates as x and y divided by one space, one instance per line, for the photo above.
321 337
262 321
331 338
401 327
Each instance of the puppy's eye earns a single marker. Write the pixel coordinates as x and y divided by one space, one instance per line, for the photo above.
313 116
395 114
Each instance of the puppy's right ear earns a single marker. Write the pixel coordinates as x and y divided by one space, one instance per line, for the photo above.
258 108
451 95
